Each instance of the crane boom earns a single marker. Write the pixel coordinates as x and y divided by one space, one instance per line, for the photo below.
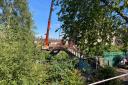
48 26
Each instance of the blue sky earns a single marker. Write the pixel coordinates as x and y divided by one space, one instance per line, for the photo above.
40 12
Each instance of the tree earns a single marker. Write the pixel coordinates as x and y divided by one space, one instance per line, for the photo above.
16 46
118 6
120 19
87 23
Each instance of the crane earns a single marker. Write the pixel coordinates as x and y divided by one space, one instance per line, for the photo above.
46 42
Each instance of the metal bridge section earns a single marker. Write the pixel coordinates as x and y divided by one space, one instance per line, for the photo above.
71 51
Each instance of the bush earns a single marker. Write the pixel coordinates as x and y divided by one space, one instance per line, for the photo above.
108 72
22 64
62 71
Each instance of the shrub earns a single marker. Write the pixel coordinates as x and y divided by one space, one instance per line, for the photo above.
62 71
108 72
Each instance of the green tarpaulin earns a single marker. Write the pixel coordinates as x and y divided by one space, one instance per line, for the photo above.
113 58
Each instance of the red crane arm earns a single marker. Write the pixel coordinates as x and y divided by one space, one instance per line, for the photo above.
49 25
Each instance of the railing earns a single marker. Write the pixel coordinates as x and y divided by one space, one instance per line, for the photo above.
76 53
102 81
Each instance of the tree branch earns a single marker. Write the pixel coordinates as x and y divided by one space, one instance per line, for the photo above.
115 9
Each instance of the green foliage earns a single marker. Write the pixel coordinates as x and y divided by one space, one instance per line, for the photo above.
62 72
108 72
16 43
120 19
21 63
114 49
87 23
93 24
